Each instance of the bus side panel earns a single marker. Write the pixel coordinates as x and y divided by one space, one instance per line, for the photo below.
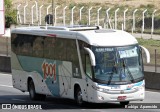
65 74
16 79
67 81
43 72
41 86
50 75
21 78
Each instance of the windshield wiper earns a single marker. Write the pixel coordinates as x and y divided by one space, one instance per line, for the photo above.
114 70
130 74
110 78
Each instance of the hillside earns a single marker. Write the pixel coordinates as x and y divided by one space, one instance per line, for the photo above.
131 3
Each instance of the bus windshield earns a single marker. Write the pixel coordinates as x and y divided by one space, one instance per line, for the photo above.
118 65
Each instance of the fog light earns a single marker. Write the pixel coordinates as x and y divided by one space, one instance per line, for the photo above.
100 98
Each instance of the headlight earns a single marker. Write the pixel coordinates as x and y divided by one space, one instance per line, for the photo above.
99 89
139 87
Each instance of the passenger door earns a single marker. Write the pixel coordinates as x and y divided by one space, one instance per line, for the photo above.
89 77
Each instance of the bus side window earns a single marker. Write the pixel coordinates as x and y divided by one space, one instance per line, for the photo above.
88 69
38 47
49 48
22 44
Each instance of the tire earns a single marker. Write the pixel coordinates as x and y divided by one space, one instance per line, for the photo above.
124 103
32 92
78 97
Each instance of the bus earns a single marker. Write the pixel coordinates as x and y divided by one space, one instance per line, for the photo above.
83 63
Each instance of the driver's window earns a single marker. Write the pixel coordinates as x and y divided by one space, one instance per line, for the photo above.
88 69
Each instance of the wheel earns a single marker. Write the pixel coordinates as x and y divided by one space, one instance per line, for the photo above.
32 92
78 97
124 103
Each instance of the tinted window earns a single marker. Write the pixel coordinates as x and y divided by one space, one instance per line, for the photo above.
49 48
38 47
22 44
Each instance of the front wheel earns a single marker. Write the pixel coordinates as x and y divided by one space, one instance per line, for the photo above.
78 97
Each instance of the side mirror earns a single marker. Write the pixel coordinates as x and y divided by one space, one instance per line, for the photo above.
91 55
147 53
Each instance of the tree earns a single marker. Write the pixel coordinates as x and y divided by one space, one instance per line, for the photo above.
10 14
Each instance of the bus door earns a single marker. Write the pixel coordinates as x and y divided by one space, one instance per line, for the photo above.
89 77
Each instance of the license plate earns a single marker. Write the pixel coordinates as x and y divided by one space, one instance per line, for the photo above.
121 97
115 87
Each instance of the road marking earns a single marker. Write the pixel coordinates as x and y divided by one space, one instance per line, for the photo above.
18 100
153 91
6 86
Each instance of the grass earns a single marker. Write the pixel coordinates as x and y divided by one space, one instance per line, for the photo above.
149 42
153 46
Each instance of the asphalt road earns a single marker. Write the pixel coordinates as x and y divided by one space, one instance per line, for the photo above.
10 95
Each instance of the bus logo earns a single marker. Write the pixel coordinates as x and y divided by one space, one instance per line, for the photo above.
49 70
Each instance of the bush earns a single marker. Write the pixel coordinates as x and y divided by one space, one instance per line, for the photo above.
10 14
9 21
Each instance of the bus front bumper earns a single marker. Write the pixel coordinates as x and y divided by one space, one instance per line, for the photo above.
102 97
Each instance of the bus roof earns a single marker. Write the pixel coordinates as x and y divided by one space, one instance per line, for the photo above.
91 35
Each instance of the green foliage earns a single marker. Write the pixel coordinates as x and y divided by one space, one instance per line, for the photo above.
9 21
149 42
71 5
150 6
151 45
83 22
10 14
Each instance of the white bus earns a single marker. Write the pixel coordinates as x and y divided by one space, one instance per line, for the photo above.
88 64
